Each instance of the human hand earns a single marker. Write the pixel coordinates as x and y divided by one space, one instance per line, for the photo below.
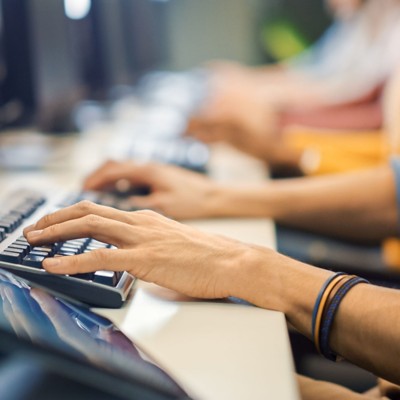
149 246
174 192
236 112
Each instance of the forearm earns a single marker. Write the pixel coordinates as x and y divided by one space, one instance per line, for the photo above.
293 90
365 329
359 205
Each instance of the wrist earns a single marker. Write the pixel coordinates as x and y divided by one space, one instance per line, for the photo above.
259 280
243 201
224 201
270 280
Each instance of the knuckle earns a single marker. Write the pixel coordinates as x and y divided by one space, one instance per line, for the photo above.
152 166
86 206
53 231
100 256
151 169
110 163
45 220
73 262
92 221
147 213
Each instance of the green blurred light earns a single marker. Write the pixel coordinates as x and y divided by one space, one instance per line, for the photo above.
282 40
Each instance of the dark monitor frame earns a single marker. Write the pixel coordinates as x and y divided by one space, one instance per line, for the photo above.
57 84
17 84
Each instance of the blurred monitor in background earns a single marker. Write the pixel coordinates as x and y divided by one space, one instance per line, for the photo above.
56 53
2 62
55 70
16 91
128 38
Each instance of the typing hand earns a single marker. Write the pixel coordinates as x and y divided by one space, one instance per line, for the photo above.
151 247
174 192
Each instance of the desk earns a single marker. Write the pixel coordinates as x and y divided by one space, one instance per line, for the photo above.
216 350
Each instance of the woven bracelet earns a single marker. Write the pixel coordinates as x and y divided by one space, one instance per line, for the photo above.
318 301
330 315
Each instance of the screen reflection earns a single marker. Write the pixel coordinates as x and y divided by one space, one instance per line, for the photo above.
35 315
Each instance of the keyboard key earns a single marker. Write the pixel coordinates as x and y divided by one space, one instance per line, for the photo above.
39 253
106 278
22 243
6 225
24 250
68 246
32 260
48 250
64 253
11 256
67 249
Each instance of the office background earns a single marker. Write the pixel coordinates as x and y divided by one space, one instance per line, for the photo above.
83 49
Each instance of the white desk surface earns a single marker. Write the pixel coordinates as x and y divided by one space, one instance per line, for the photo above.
215 350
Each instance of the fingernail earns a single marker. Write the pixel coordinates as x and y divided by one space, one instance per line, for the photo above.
30 227
34 233
52 262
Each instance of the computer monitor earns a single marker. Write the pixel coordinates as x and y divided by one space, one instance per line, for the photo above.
128 39
56 57
56 76
53 348
144 24
16 91
2 62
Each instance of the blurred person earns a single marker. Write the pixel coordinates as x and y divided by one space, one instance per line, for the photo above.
341 151
337 83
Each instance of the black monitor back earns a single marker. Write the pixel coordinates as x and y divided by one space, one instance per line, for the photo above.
58 85
53 61
16 86
128 40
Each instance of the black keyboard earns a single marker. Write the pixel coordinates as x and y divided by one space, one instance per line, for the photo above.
24 207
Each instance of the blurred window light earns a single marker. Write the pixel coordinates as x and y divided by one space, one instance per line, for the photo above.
77 9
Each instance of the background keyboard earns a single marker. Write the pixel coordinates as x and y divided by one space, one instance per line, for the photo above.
24 207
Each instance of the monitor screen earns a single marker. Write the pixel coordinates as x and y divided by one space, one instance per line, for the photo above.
2 62
16 94
57 82
57 53
129 40
55 324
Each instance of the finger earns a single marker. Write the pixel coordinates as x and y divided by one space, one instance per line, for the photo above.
77 211
107 175
103 229
136 174
103 259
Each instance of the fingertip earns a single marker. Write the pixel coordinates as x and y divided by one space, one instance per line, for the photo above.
33 235
52 264
28 229
88 185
